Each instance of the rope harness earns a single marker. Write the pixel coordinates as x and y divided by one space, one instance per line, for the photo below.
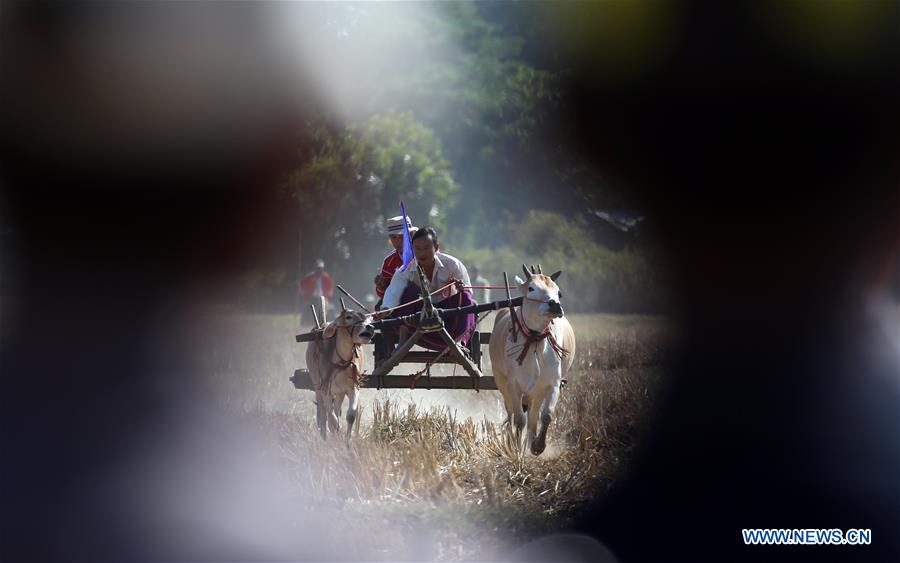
435 292
444 291
532 336
341 364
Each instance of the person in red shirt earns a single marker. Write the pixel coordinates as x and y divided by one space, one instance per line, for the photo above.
314 285
393 260
389 266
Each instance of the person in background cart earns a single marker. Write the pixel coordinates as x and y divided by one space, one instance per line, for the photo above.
479 294
313 286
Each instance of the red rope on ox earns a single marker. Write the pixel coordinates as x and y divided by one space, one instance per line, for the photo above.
357 377
381 312
532 337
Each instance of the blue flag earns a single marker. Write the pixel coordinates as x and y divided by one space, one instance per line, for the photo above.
407 254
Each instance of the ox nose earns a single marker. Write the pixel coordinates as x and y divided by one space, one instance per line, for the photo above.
555 307
367 331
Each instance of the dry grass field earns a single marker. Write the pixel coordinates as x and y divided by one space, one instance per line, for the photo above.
429 474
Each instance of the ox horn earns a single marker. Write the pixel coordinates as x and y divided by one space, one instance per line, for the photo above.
343 307
540 270
533 271
525 269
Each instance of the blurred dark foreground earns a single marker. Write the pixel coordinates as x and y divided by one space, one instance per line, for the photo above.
771 176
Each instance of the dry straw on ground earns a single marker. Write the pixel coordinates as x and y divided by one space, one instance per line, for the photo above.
418 465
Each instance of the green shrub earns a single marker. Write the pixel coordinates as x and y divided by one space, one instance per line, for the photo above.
594 278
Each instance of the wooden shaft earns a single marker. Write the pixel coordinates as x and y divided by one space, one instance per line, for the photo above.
450 313
443 313
398 354
427 306
354 299
458 355
315 315
512 311
302 380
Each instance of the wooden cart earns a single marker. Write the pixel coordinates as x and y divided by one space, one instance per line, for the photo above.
429 320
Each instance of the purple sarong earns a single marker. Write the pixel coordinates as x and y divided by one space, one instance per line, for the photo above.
456 326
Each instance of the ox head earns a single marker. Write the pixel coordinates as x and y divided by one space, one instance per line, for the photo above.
541 290
358 325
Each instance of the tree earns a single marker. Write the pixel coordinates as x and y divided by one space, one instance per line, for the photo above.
348 180
481 137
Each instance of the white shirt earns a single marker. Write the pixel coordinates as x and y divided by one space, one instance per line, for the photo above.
445 267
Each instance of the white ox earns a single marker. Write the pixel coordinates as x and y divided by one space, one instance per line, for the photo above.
530 355
335 365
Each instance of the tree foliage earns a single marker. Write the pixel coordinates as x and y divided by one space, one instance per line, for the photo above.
450 112
349 180
594 277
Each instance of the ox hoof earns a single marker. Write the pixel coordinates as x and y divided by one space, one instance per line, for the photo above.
537 448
